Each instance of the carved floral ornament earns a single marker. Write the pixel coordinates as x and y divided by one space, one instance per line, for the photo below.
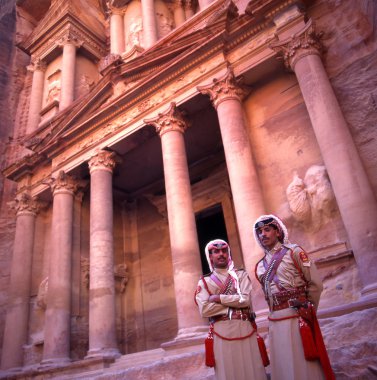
301 44
171 120
103 160
24 204
228 87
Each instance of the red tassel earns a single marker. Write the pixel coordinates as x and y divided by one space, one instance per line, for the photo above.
210 355
208 345
308 344
263 351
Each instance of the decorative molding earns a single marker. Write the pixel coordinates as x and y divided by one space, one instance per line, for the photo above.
301 44
228 87
170 120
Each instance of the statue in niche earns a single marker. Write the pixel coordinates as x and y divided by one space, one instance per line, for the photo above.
41 300
311 200
135 33
53 91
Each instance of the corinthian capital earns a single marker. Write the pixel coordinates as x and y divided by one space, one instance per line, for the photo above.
228 87
170 120
37 64
24 204
64 183
306 42
70 38
103 160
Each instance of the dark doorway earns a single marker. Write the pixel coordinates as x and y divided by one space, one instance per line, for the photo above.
210 225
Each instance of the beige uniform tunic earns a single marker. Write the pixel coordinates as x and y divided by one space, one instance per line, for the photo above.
237 359
286 352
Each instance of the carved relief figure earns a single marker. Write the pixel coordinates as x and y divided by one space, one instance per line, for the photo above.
42 294
121 273
135 33
53 91
311 199
165 24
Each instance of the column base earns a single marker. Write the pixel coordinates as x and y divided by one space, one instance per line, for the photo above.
369 291
190 336
54 362
104 353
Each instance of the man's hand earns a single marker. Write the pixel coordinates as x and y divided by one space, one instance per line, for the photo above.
214 298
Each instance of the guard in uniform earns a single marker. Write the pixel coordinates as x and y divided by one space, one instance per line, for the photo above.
292 289
233 345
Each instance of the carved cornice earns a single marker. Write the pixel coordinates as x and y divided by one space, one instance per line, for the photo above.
301 44
24 167
64 183
170 120
24 204
228 87
103 160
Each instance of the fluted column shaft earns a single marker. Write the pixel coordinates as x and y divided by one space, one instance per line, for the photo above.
150 35
102 328
58 313
353 192
36 95
182 228
116 32
226 96
17 318
67 92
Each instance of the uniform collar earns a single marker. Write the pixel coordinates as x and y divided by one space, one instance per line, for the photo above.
276 248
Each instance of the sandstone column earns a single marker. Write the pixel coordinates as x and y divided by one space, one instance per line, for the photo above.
226 95
179 13
17 318
116 31
149 23
182 228
67 92
354 194
102 332
189 12
36 96
58 313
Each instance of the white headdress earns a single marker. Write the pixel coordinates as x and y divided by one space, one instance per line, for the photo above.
212 244
265 220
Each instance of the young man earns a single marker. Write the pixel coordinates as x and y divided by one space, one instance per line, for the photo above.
292 288
224 297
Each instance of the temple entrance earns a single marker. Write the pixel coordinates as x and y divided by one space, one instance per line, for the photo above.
210 225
